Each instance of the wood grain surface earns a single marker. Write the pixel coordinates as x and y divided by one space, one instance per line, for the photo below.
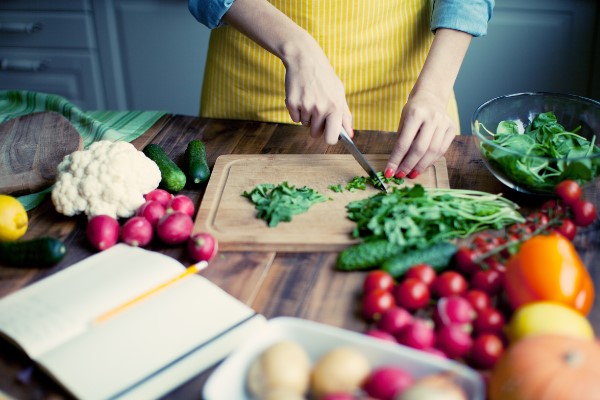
299 284
31 147
324 227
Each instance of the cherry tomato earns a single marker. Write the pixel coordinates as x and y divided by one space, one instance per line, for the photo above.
486 350
490 281
553 208
489 320
375 302
479 299
423 272
519 230
494 264
449 283
584 213
567 228
412 294
378 280
569 192
485 242
465 260
536 220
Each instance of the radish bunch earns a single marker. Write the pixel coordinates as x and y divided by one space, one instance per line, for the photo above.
163 216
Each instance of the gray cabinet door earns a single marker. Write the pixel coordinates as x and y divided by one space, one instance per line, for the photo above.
532 45
162 52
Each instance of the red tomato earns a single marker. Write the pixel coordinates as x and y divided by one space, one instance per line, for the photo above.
412 294
423 272
584 213
486 351
375 302
536 220
569 191
567 228
465 260
553 208
489 320
378 280
449 283
490 281
479 299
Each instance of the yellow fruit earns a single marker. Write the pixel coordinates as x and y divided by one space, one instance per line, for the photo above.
13 218
547 317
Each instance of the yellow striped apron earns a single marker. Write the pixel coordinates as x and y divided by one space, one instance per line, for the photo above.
377 48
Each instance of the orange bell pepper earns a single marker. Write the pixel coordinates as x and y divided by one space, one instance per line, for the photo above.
549 268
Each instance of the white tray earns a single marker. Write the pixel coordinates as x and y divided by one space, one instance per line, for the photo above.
228 380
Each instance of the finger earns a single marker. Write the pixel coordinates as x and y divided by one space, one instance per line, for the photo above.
347 123
333 125
305 118
449 138
433 153
408 130
317 125
418 149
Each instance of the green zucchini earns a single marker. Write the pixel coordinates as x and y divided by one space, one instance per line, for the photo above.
196 167
438 256
173 178
35 253
367 255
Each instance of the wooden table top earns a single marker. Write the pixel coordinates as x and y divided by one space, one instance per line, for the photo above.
303 285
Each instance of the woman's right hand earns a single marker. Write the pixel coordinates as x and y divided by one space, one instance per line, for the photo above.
315 95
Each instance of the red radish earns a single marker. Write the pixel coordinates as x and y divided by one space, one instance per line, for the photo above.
102 231
379 334
160 195
181 203
412 294
453 309
387 382
454 340
338 396
394 319
174 228
489 320
486 351
137 231
374 303
202 247
418 335
479 299
152 210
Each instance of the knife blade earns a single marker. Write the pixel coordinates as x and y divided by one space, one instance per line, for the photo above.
351 147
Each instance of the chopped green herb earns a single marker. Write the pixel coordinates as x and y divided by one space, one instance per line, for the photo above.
397 181
336 188
357 183
280 203
544 137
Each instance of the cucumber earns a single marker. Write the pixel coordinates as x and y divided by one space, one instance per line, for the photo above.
173 178
366 255
438 256
196 167
36 253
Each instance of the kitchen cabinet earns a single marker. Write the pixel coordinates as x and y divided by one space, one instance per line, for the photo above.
150 54
532 45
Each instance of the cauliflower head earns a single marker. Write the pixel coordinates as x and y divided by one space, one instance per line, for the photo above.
107 178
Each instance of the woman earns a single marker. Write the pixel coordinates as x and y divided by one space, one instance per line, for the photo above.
367 64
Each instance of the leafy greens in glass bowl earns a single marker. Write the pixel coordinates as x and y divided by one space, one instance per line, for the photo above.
533 141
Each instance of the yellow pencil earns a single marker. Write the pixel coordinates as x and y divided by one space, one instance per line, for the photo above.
191 270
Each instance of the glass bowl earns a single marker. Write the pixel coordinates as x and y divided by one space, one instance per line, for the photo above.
533 159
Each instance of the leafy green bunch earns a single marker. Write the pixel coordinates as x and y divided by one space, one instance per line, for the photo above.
557 153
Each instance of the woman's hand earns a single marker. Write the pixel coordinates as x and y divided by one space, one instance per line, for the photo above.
424 135
315 95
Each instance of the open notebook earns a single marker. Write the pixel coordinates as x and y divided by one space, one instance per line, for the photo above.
142 352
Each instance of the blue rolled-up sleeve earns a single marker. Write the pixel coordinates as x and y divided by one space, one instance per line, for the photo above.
209 12
470 16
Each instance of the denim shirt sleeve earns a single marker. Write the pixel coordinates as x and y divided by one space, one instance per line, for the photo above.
209 12
470 16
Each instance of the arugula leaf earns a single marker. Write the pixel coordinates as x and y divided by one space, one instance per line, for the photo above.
280 203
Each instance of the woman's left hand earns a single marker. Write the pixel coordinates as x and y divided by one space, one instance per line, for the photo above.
424 135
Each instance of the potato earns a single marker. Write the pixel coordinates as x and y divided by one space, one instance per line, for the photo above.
342 369
284 366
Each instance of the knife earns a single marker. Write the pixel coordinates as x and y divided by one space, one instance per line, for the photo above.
351 147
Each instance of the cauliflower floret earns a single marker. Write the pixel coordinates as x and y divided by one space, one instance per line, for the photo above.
108 178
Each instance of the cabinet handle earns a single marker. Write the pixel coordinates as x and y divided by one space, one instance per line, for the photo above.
20 27
22 65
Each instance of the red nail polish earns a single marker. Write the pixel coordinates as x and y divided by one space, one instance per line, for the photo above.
413 174
388 173
400 175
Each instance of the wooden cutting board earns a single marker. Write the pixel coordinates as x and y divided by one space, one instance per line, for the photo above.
230 217
31 147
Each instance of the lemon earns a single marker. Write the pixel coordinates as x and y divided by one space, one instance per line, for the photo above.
547 317
13 218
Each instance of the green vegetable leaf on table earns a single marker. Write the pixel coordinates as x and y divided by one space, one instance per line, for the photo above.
280 203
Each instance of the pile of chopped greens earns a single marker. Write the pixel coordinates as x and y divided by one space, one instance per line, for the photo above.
360 183
544 137
279 203
414 217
